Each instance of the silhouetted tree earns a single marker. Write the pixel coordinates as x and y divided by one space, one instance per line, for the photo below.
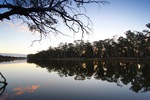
98 48
135 44
43 15
88 50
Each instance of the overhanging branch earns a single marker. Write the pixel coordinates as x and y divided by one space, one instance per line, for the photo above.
43 15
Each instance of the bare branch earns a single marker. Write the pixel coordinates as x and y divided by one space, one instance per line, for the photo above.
4 82
42 15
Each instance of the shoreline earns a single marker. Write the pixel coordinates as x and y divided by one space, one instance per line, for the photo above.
113 59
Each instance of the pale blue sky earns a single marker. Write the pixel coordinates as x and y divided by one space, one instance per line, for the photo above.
109 20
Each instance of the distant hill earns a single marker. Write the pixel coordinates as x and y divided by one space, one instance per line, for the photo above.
13 55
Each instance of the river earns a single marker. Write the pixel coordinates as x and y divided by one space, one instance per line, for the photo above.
75 81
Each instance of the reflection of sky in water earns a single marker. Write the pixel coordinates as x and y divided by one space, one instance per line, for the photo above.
19 92
28 89
28 82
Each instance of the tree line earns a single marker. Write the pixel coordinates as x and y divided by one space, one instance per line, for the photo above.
10 58
134 44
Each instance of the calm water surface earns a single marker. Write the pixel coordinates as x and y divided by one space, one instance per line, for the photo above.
75 81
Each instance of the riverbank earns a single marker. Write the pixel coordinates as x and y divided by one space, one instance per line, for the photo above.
10 58
113 59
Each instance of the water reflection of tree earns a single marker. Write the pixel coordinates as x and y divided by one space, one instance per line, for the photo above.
4 84
136 74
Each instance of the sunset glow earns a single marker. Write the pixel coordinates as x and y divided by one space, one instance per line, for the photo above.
108 20
28 89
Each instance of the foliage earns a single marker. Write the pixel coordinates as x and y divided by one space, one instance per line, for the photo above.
10 58
135 44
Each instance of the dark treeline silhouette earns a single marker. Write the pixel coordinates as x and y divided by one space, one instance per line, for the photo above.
10 58
122 73
134 44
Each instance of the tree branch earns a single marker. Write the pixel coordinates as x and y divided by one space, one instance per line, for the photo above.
4 82
44 14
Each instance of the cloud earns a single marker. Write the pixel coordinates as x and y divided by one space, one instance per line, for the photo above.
17 26
10 24
22 28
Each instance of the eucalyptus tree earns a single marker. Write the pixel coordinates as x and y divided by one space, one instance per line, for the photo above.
138 43
80 47
43 16
71 50
88 50
106 48
97 45
146 40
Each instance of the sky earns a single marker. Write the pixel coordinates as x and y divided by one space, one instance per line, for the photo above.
109 20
